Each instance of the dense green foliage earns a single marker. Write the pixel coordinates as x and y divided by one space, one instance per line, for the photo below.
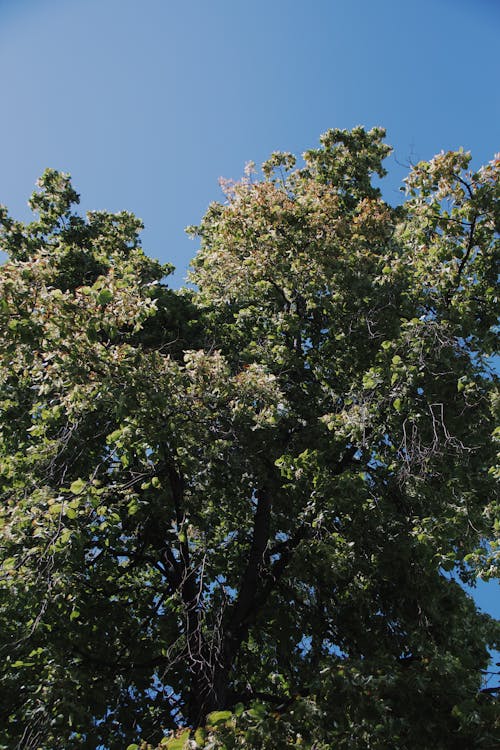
249 506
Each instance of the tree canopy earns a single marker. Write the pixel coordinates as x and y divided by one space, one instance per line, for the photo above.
240 514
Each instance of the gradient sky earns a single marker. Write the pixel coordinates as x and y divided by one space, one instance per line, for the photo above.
148 102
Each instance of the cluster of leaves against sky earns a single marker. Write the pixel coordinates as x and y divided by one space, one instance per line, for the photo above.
238 515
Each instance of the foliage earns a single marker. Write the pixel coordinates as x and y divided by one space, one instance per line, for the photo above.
239 515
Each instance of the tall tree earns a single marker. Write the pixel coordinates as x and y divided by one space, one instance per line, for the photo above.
249 507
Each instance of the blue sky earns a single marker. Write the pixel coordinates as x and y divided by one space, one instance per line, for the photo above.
148 103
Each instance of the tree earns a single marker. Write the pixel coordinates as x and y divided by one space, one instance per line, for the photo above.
246 509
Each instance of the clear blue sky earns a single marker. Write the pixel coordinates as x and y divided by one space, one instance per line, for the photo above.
147 102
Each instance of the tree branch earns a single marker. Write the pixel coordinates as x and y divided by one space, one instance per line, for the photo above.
490 690
465 259
253 571
250 601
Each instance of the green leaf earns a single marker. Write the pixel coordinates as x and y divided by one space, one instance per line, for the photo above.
77 486
369 381
239 709
200 736
217 717
258 711
133 507
176 743
104 296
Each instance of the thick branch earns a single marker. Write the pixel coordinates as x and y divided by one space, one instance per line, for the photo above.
278 568
177 487
181 570
253 572
118 665
250 599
